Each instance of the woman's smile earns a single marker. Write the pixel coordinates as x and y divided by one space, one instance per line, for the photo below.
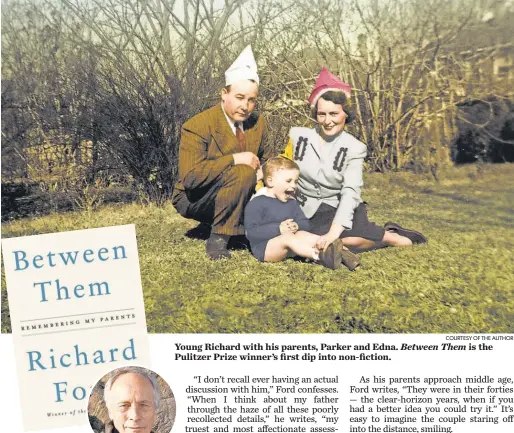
331 117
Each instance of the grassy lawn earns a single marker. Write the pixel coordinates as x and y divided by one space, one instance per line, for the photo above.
462 281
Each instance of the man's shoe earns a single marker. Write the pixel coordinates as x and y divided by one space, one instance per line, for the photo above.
350 260
216 247
414 236
331 257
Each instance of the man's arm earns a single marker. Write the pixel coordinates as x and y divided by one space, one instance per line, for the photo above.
195 170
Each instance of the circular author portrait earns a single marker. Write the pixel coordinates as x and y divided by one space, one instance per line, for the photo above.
131 400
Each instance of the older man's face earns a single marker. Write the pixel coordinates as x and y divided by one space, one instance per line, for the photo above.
131 404
239 101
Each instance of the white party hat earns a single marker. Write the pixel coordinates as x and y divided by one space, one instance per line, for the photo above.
243 68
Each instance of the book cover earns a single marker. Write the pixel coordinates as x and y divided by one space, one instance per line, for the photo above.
77 311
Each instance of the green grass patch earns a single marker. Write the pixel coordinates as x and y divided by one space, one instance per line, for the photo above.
462 281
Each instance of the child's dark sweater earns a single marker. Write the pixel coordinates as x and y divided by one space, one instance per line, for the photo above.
263 216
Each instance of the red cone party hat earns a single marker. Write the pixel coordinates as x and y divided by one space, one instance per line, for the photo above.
325 82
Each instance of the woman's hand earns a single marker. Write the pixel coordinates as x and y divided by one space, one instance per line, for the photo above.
321 244
329 238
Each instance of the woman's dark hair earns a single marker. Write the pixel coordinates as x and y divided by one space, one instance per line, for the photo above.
339 98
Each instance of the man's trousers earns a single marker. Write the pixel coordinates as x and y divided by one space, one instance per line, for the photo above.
222 203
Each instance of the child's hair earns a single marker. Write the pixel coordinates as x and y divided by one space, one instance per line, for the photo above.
275 164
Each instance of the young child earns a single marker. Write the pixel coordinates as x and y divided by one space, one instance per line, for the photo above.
276 226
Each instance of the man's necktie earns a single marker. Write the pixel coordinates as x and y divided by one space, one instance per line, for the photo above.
240 135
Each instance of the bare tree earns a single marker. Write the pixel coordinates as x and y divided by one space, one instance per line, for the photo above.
110 82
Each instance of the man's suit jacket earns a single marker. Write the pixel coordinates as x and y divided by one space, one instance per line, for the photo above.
207 145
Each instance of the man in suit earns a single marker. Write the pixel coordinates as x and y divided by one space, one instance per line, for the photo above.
220 155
